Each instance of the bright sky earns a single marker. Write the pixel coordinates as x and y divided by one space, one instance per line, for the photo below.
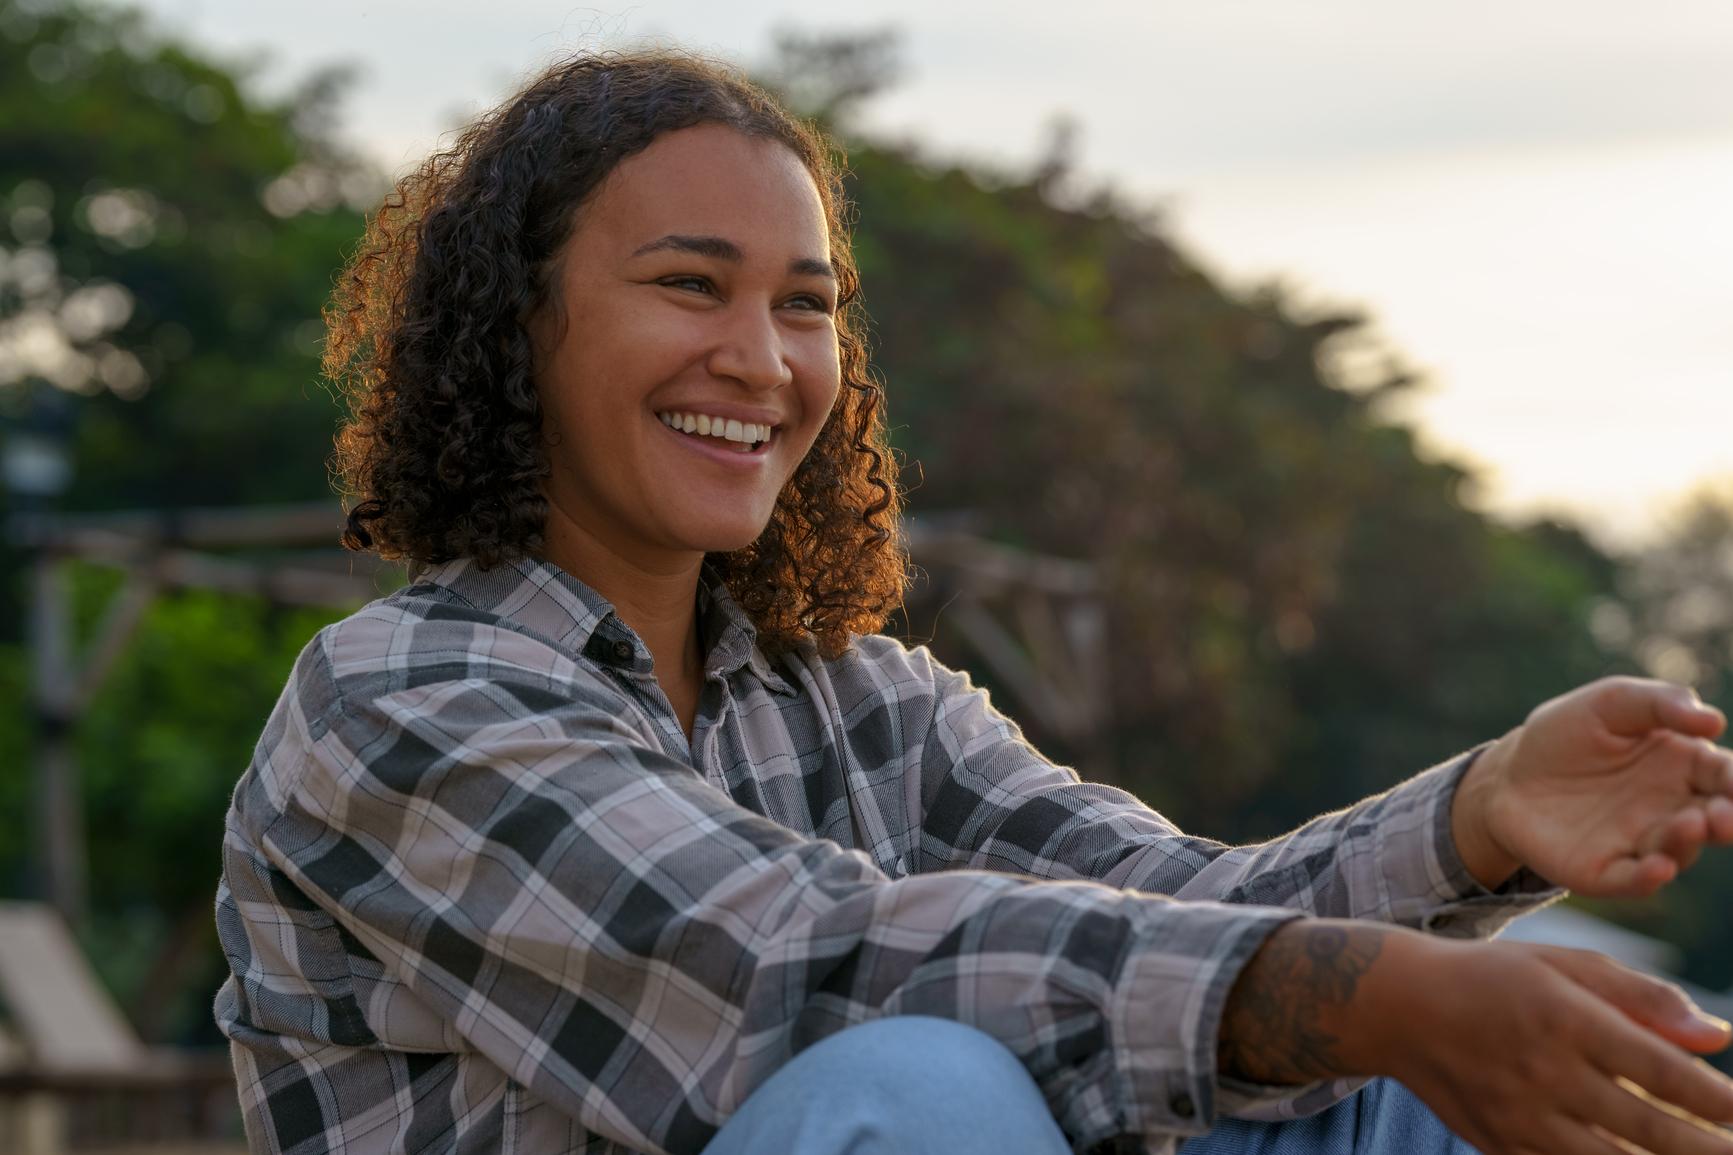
1532 200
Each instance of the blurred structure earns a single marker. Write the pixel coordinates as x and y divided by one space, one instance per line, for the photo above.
1032 625
1036 625
157 551
73 1076
36 463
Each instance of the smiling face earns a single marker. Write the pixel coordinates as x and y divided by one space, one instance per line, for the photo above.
696 290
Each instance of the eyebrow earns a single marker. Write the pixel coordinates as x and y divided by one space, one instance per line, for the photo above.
723 249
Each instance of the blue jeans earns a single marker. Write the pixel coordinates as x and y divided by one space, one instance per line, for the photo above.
911 1085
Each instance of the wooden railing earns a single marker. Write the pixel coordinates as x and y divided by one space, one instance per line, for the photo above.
179 1103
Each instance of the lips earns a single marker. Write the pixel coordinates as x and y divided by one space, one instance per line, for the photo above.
718 450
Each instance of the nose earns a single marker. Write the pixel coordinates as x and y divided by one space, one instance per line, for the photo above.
749 349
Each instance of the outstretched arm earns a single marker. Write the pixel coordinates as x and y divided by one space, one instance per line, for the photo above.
988 800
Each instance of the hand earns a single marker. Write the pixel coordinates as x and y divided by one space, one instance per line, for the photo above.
1610 790
1525 1048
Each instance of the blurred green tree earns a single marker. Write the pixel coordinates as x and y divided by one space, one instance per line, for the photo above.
1303 609
1673 617
1678 597
171 242
166 241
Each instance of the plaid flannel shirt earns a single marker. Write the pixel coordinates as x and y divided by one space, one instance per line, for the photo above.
480 892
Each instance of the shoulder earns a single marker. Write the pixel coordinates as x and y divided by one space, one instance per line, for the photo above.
421 678
423 636
890 661
877 668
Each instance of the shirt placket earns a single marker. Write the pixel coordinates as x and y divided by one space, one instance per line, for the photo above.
713 705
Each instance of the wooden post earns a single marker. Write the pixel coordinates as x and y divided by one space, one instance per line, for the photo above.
146 544
40 1125
59 814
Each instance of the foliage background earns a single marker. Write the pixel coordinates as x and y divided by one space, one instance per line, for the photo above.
1303 610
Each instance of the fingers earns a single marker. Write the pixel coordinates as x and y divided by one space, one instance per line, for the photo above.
1660 1099
1718 722
1624 1146
1592 1067
1632 707
1682 836
1719 814
1661 1070
1650 1003
1694 716
1636 876
1628 1113
1711 770
1666 1074
1703 819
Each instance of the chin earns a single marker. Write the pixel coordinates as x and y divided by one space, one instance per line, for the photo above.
723 539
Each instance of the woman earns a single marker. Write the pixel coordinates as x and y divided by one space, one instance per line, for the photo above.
620 828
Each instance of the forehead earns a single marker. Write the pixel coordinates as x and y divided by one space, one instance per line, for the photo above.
709 180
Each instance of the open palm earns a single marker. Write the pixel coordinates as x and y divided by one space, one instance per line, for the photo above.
1612 789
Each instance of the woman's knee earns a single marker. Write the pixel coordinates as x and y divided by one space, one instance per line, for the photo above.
917 1056
915 1084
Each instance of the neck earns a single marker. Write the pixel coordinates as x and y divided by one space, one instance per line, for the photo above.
656 597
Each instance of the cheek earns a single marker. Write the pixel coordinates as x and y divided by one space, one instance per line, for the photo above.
558 393
823 381
819 412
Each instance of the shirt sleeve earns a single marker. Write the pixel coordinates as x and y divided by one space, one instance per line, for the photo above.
641 952
991 801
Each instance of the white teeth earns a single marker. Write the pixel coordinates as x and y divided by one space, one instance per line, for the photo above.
744 434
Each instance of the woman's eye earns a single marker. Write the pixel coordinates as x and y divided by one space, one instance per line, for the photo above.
808 301
698 283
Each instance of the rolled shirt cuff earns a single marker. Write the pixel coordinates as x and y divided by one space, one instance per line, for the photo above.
1459 906
1166 1015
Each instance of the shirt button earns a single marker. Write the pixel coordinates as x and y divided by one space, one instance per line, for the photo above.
1182 1105
623 651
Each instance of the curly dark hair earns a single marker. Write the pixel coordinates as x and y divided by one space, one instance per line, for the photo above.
440 456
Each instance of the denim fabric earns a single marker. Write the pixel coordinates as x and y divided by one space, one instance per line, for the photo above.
915 1085
905 1085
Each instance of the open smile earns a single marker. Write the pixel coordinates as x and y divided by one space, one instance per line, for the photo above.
739 433
720 448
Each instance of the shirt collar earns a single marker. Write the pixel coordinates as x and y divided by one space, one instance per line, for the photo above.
729 638
542 597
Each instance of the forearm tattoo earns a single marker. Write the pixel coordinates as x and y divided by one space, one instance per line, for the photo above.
1276 1026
